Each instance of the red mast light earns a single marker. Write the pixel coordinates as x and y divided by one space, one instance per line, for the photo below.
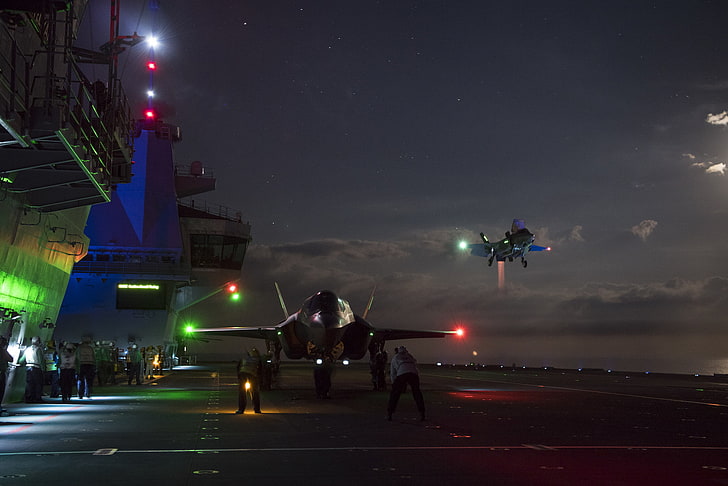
151 65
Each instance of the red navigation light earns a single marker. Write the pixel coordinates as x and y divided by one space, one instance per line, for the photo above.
459 332
151 65
233 291
150 114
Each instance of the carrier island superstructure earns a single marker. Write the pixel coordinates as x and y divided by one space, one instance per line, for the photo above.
99 235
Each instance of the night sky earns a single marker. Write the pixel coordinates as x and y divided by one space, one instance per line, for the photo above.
364 139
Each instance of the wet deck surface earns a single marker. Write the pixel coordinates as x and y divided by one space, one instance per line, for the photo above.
504 427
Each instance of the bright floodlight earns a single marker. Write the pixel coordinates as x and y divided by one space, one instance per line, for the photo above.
150 93
153 42
463 245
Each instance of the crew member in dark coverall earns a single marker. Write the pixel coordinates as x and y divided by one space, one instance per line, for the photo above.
249 371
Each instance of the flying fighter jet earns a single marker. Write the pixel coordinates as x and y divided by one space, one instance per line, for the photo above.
325 330
517 243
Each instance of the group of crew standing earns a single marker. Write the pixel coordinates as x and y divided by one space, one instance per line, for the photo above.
74 364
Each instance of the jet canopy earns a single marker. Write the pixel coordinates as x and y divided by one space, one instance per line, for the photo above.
327 302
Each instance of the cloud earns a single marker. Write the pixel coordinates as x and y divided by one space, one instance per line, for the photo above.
662 307
711 167
575 234
717 119
718 168
714 86
689 156
644 229
544 237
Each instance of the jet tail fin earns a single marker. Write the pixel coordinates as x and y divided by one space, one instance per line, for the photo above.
485 238
280 299
369 304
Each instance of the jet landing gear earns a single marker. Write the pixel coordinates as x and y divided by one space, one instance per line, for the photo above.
322 378
524 262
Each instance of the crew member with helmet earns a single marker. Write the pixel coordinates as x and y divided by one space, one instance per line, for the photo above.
34 362
5 359
67 368
86 357
134 364
51 368
249 372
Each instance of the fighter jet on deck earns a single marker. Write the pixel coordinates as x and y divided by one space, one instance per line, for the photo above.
324 330
517 243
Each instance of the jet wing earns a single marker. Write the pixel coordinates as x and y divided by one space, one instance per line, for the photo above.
478 249
269 333
394 334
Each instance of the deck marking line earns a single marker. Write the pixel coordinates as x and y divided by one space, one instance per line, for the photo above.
385 448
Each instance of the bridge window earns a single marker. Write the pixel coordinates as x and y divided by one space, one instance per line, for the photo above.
217 251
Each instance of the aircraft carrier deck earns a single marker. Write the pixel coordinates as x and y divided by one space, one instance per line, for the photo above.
505 427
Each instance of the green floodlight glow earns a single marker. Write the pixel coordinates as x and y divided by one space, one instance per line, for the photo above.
463 245
189 328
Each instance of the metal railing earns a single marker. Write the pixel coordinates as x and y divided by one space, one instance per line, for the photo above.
214 209
178 270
